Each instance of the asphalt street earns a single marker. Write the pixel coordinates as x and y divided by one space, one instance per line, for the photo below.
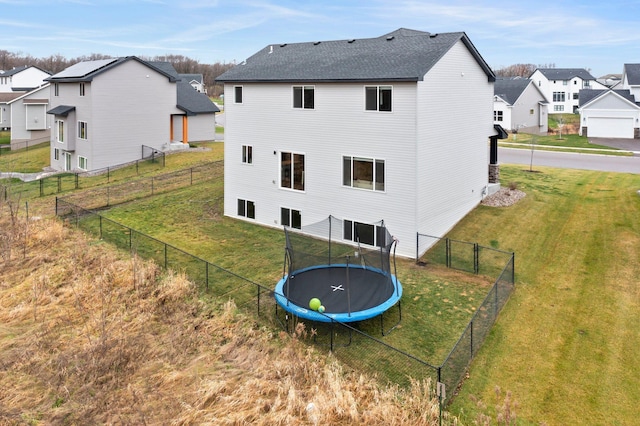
570 160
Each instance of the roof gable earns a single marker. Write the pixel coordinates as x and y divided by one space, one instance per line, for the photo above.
589 98
402 55
510 89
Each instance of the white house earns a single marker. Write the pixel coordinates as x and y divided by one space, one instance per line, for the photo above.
613 113
22 79
106 110
196 81
30 123
392 128
519 105
561 86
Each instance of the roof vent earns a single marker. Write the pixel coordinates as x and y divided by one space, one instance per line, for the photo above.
270 49
390 38
283 44
315 43
433 35
351 41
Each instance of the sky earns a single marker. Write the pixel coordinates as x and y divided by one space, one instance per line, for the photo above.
600 36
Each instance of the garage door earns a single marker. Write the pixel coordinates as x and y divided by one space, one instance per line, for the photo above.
607 127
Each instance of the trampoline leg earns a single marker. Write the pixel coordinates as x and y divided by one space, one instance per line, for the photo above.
384 333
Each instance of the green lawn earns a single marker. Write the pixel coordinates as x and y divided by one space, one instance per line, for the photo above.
31 160
5 137
566 343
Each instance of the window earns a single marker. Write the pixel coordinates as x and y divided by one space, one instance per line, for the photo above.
56 153
292 171
378 98
586 83
83 163
531 111
558 96
246 209
56 89
303 97
497 115
558 107
365 173
565 82
247 154
364 233
82 130
575 82
291 218
237 90
81 89
576 96
60 132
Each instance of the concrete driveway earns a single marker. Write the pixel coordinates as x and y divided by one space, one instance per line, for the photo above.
626 144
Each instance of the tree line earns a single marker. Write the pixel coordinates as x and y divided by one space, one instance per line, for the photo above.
56 63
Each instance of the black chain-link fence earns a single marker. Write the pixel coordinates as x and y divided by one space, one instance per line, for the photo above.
353 344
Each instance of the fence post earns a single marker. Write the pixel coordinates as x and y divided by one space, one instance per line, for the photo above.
471 339
165 256
206 276
77 180
56 206
447 246
41 187
152 185
100 221
59 183
476 258
137 172
108 174
130 238
417 245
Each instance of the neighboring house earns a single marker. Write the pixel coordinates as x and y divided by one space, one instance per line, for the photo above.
5 109
361 129
105 111
613 113
631 79
561 86
610 80
195 80
30 123
22 79
519 105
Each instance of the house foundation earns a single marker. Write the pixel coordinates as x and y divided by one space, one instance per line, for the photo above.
494 173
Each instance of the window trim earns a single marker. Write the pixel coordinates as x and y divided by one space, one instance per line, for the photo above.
375 184
498 115
83 125
235 94
247 154
291 216
303 102
246 208
82 89
86 162
295 184
350 234
379 88
60 131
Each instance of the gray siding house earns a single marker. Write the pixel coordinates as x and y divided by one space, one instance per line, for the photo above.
391 128
30 123
519 105
105 111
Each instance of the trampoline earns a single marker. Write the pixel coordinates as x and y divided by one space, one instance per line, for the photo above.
352 285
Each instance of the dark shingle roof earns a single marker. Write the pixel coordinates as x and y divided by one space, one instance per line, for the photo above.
13 71
191 77
63 110
189 100
565 73
587 95
510 89
402 55
633 74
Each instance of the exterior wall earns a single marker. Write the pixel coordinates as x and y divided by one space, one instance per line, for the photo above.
125 107
338 125
30 123
452 154
5 116
528 114
507 122
570 88
201 127
609 106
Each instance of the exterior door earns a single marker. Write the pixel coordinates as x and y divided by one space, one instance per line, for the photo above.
67 161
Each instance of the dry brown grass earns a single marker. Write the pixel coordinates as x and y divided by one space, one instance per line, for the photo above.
91 336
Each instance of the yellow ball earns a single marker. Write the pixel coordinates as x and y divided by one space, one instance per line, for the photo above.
315 303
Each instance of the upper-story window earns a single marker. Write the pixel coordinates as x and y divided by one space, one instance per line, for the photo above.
565 82
303 97
237 93
497 115
378 98
60 132
56 89
247 154
558 96
83 129
586 83
81 89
